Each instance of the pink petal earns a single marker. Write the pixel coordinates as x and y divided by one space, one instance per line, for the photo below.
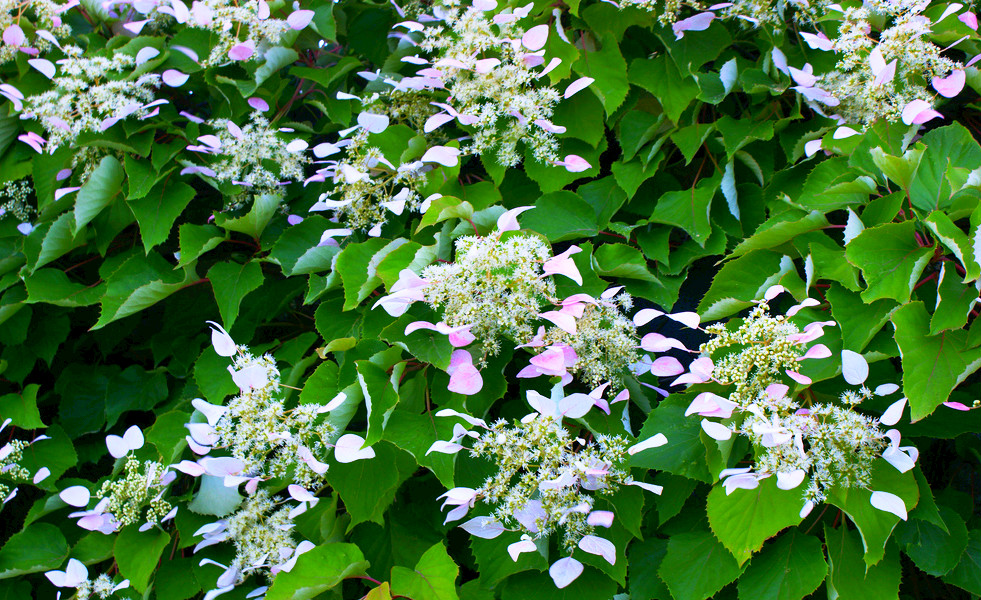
667 366
299 19
436 121
561 320
174 78
913 111
444 155
600 518
575 406
62 192
485 5
969 19
222 466
565 570
258 104
950 86
465 378
535 38
242 51
577 85
508 221
574 164
699 22
854 367
349 449
801 379
811 147
816 351
14 36
655 342
957 406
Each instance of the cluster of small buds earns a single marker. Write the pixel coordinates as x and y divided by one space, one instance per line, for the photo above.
140 488
76 575
15 199
495 285
795 437
547 479
10 454
605 342
243 155
261 530
88 94
47 28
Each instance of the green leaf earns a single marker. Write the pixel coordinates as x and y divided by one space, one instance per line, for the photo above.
297 249
443 209
591 585
561 216
620 260
832 185
415 434
955 299
195 240
932 365
380 396
899 169
685 454
317 571
353 265
738 133
52 286
607 67
967 573
697 566
434 577
875 525
138 283
368 487
57 454
172 582
643 560
689 209
932 549
789 568
38 547
848 577
100 188
212 377
21 408
946 147
741 281
231 282
137 554
779 230
830 264
59 239
857 320
661 78
254 222
495 564
890 258
157 211
956 241
745 519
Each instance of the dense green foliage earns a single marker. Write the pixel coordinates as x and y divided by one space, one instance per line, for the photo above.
687 171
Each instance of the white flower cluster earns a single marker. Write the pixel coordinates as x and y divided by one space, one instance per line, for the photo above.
141 487
605 341
795 437
243 155
10 455
488 64
547 479
15 199
495 285
46 29
878 76
89 94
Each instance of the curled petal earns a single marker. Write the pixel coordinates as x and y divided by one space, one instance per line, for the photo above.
654 441
890 503
950 86
517 548
699 22
509 221
892 414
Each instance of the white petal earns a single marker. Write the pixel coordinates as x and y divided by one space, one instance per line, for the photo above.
75 495
600 547
716 431
487 528
789 481
854 367
348 449
564 571
654 441
893 413
890 503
